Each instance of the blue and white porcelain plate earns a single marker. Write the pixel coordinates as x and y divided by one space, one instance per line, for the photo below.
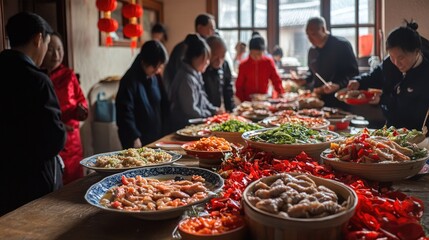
98 190
89 162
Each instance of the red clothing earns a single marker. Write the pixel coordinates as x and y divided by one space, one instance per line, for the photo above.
253 77
69 96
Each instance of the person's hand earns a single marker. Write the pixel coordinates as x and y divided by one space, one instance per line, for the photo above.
137 143
69 128
296 79
375 100
220 111
330 88
353 85
81 112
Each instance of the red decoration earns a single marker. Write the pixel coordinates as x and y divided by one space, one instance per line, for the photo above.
132 30
132 10
106 5
107 24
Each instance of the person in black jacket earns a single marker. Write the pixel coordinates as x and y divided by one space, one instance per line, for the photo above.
30 126
217 77
403 77
142 102
332 58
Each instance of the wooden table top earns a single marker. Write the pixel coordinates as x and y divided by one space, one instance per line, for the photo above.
64 214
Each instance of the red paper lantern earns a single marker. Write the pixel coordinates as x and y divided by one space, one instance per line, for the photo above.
107 25
106 5
133 30
132 10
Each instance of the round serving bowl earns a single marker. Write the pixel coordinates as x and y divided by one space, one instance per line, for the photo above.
232 137
214 182
382 172
267 226
235 234
289 150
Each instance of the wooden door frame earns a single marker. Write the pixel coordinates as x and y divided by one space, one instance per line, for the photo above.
63 24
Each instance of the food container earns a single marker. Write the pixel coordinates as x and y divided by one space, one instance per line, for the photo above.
232 137
383 171
268 226
233 234
289 150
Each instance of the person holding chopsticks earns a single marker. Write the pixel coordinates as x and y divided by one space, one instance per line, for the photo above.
331 59
403 77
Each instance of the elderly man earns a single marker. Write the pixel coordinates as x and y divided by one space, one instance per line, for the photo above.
205 26
217 77
332 58
31 125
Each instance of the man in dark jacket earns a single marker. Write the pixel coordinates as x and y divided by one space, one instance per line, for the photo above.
30 126
332 58
217 77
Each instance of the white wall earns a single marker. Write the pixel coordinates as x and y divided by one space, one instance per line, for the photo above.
398 10
179 18
91 61
94 62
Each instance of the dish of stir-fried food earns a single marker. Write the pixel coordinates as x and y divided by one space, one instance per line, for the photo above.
149 194
133 157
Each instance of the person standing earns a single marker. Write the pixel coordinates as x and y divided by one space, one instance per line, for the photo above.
205 26
332 58
187 95
217 77
74 107
141 102
256 72
31 124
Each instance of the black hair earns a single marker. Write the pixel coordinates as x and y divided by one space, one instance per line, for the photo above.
153 53
159 28
22 27
277 51
257 43
203 19
256 33
196 46
405 38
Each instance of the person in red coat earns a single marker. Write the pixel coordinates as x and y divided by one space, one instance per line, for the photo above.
256 71
74 107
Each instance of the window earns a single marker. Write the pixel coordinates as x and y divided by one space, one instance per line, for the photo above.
237 19
356 20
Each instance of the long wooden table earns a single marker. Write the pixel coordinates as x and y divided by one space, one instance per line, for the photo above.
64 214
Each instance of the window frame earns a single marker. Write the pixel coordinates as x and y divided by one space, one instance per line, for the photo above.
238 28
273 21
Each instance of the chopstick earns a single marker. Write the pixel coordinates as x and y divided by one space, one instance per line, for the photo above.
323 80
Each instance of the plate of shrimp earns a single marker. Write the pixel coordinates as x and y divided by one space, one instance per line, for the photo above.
155 193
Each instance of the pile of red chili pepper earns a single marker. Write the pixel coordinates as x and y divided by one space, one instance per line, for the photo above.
380 214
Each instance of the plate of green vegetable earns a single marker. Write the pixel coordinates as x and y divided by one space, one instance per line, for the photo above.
289 140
